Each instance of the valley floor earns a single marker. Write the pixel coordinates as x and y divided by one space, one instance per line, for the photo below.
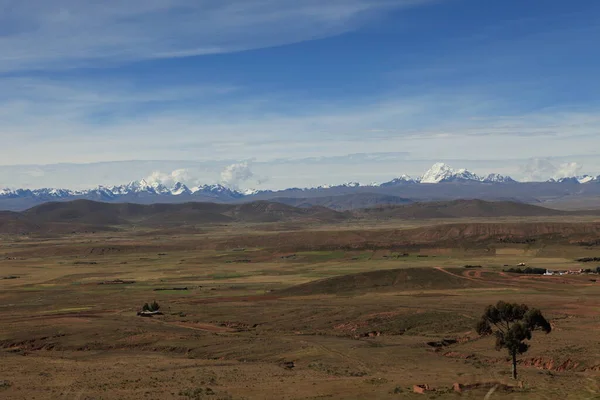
243 322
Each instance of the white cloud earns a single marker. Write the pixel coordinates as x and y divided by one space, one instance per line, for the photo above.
543 169
235 174
70 33
170 179
568 170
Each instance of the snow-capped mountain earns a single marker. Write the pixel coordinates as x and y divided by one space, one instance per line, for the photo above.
497 178
576 179
586 178
441 172
401 180
179 189
136 188
217 191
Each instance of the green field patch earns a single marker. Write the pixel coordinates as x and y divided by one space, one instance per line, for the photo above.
320 256
227 275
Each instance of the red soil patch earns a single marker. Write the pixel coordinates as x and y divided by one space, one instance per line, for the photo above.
549 364
202 327
473 273
455 275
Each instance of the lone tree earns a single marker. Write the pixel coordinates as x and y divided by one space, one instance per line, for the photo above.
512 324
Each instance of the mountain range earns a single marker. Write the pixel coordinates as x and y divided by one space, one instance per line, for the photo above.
440 182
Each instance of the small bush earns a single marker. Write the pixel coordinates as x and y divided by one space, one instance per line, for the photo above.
154 306
398 390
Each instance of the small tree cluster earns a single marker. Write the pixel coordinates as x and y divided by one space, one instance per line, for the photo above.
527 271
512 324
588 259
152 307
592 271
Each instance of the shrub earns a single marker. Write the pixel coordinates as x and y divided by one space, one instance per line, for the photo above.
154 306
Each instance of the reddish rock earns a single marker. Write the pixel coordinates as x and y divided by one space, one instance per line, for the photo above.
421 389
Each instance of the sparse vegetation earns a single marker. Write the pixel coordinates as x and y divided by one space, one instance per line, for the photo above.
197 393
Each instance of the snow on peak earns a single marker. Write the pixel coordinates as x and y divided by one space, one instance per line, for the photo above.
586 178
250 192
497 178
343 185
441 172
574 179
351 184
216 190
402 179
179 189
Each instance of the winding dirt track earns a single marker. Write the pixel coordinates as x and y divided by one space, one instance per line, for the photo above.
456 275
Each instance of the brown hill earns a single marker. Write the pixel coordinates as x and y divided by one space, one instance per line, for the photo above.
15 223
343 202
93 213
394 279
459 209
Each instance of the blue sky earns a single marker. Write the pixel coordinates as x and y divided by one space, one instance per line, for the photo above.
341 90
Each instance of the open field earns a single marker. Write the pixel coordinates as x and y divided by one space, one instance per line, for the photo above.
353 305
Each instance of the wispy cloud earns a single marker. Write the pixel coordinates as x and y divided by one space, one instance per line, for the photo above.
41 34
47 121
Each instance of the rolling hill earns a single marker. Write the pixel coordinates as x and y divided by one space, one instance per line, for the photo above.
86 215
381 280
86 212
459 209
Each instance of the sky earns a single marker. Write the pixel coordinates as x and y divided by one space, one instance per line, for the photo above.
270 94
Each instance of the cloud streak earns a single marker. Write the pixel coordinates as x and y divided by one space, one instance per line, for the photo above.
41 34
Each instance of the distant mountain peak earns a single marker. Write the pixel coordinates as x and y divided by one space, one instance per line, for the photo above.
497 178
401 180
576 179
441 172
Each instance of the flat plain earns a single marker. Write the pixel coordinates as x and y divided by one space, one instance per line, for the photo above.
353 310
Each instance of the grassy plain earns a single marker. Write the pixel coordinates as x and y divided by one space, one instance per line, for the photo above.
69 330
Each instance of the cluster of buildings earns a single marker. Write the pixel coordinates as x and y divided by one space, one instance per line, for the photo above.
566 272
